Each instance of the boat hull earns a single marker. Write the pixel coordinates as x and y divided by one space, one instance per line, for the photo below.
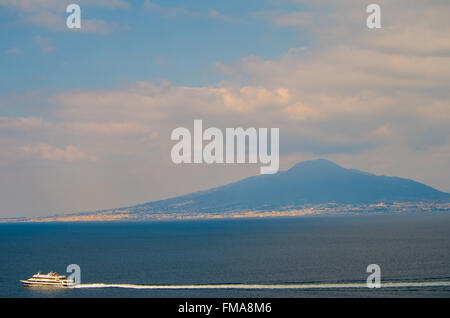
47 284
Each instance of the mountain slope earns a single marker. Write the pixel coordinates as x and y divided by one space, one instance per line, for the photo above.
316 181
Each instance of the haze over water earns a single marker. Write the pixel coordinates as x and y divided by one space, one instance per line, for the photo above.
303 250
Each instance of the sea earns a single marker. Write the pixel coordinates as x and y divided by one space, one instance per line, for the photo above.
308 256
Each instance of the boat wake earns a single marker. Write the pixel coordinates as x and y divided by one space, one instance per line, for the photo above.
273 286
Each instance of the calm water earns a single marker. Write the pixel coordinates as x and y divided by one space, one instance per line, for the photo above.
266 251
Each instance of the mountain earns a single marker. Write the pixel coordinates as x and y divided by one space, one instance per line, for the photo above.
309 182
310 187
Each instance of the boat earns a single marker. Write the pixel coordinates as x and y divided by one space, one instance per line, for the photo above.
51 279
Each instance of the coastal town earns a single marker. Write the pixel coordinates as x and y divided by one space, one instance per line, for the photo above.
328 209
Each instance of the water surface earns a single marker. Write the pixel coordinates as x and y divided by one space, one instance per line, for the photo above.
301 250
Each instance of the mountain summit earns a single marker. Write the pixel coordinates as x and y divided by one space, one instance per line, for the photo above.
308 182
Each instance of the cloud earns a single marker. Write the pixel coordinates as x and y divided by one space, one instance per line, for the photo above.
220 68
169 12
59 5
217 15
310 120
297 19
20 123
408 27
173 12
350 69
13 51
44 44
51 14
57 22
48 152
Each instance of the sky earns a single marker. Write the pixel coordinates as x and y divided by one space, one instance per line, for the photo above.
86 114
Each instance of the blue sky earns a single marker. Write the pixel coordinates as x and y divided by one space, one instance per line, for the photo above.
86 115
148 44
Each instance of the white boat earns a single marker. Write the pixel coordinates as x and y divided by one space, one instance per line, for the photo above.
48 280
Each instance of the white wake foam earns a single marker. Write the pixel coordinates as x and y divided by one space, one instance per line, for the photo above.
272 286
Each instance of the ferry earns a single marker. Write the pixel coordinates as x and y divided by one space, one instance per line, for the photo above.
51 279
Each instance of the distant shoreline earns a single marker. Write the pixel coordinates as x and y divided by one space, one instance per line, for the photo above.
329 209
